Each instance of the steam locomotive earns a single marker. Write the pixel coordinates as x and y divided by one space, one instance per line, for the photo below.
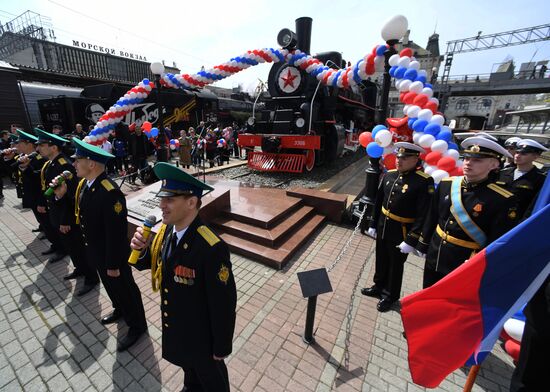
303 123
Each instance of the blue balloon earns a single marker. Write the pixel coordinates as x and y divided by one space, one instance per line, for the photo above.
381 50
411 122
400 72
419 125
374 150
420 78
392 70
145 82
452 146
432 129
377 128
154 132
428 85
411 74
444 135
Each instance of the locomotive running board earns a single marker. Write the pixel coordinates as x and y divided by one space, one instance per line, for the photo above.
272 162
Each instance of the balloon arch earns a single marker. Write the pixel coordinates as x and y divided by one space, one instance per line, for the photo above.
420 111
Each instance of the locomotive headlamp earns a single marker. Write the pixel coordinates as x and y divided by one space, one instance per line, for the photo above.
287 39
300 122
251 121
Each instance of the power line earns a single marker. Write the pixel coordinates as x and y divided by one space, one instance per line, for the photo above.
128 32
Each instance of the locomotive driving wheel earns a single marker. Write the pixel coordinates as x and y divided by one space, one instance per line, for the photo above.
310 160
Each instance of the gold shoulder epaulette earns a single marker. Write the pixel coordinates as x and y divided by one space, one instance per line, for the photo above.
447 179
392 170
62 161
107 185
38 157
422 174
208 235
500 191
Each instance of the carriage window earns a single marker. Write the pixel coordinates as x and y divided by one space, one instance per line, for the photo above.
463 104
484 104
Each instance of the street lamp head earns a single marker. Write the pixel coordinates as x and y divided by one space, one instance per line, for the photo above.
395 28
157 68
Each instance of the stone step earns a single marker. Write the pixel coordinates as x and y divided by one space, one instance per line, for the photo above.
263 209
275 258
269 237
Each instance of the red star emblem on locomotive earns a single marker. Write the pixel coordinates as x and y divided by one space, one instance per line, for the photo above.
289 79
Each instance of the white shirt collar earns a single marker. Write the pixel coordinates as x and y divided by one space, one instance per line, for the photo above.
90 182
180 233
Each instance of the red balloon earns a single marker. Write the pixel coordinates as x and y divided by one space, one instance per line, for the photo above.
420 100
457 171
146 126
446 163
370 68
433 158
423 155
409 97
389 161
432 106
406 52
365 138
402 97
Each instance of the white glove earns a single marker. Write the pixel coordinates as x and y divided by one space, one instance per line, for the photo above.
405 248
371 232
419 254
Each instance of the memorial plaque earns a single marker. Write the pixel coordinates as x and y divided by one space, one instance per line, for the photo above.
145 203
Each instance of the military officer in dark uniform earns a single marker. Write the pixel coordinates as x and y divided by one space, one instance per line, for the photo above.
510 144
30 164
61 208
403 197
524 179
467 213
102 215
197 287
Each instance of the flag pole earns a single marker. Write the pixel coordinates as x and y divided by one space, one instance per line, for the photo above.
472 375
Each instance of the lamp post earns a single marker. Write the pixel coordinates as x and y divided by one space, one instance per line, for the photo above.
162 154
392 32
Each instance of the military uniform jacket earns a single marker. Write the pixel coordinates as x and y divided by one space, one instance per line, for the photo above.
525 188
198 296
102 215
61 211
32 193
401 205
492 208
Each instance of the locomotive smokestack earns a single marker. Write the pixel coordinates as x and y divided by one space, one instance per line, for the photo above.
303 31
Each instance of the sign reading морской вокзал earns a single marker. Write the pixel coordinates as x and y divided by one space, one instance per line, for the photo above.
104 49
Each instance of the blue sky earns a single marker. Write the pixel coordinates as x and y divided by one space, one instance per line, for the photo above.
206 32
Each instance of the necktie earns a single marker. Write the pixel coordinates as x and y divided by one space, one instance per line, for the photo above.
173 244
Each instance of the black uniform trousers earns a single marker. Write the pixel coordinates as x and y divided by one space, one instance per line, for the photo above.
208 376
388 276
431 276
72 242
125 296
51 233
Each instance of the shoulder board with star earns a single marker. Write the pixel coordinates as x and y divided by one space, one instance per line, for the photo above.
392 170
107 185
447 179
500 191
62 161
422 174
208 235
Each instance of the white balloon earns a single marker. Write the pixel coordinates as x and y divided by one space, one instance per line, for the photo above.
438 175
406 109
404 85
427 91
422 72
413 111
404 61
425 140
398 83
414 65
425 114
393 59
428 169
433 99
383 138
417 136
389 149
514 328
459 163
438 119
440 145
379 60
453 154
416 87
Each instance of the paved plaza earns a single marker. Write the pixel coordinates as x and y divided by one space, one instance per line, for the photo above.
52 340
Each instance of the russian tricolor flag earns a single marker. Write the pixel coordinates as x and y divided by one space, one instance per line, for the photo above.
458 320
